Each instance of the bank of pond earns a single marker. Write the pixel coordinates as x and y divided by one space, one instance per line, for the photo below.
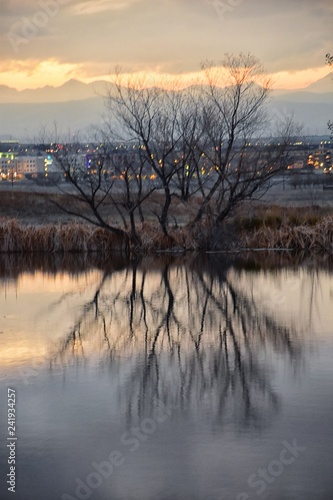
312 235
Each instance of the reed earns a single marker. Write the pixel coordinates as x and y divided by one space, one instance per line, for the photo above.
84 238
316 236
253 216
190 237
152 238
49 238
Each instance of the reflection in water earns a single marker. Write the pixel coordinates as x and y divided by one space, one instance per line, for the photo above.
13 265
189 336
241 348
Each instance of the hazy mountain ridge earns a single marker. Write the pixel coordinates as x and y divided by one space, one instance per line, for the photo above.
76 105
75 90
323 85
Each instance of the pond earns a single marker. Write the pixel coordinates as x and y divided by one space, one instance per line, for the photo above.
199 378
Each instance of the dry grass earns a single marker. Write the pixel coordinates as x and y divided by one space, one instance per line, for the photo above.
250 216
315 237
85 238
153 239
72 237
254 227
201 236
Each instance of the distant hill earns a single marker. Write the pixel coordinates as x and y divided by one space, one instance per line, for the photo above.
75 106
323 85
73 90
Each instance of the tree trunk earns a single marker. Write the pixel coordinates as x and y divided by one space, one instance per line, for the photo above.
165 210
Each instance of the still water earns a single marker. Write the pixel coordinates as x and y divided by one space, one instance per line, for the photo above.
167 379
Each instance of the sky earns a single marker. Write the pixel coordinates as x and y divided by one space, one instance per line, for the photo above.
47 42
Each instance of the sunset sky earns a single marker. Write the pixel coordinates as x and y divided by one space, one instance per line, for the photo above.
47 42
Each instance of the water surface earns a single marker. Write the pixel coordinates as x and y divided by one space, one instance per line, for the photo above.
198 378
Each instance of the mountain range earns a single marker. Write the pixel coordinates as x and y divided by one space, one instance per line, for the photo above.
77 105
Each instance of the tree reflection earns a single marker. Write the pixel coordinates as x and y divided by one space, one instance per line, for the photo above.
185 333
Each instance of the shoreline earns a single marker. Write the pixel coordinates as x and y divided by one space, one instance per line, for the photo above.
310 235
30 222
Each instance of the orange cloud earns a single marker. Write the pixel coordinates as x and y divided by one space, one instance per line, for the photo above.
299 79
32 74
35 74
96 6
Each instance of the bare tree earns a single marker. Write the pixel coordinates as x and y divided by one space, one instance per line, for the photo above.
91 182
149 116
216 129
188 180
108 179
237 148
209 141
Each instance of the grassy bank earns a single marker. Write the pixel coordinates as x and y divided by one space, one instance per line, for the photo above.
316 237
30 222
53 238
81 237
272 228
295 228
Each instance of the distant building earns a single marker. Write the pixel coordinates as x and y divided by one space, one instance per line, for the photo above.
26 165
7 164
322 158
13 165
297 164
9 146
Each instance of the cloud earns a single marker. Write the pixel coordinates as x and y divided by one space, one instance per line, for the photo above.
94 7
15 8
34 73
172 35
